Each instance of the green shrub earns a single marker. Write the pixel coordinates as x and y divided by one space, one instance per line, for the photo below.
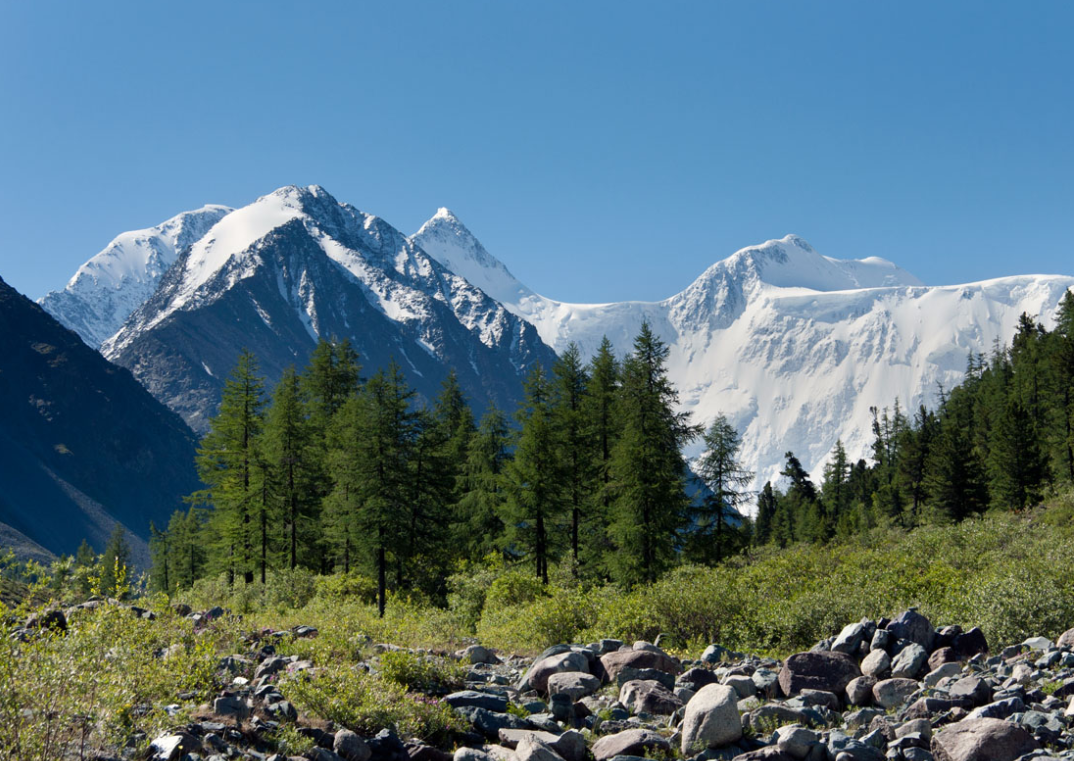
347 586
422 673
367 703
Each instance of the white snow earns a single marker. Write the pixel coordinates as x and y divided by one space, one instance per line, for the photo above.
794 347
105 290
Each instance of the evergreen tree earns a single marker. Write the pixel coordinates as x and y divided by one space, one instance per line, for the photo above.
604 426
533 480
160 560
1063 364
225 463
483 499
288 454
766 512
422 560
915 446
1017 466
710 537
569 390
186 548
380 450
835 489
647 469
450 435
954 476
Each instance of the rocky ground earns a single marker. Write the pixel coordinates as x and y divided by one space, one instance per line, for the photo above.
896 689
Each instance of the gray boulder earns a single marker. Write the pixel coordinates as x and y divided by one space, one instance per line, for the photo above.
892 693
876 663
350 746
711 719
817 671
860 691
849 640
576 684
649 697
915 627
532 748
982 740
640 659
632 742
537 677
485 700
909 662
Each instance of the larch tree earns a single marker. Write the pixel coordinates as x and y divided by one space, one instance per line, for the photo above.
649 507
533 480
225 464
727 480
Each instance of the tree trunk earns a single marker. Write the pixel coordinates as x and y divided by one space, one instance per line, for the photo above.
381 576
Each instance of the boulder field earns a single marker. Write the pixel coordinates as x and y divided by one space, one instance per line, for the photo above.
898 690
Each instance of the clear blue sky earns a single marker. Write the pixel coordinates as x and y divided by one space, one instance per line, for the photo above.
604 151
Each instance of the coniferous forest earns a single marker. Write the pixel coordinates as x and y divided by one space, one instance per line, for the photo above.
343 468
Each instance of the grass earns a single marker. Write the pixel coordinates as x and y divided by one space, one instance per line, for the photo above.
104 684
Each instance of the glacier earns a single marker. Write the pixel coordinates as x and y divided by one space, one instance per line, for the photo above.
792 346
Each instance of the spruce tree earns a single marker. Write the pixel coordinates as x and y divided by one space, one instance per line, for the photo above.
604 427
835 489
710 538
574 433
381 448
766 512
482 503
954 476
288 454
650 505
1017 466
533 480
159 558
225 463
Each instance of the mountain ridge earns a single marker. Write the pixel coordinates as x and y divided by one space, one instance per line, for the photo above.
295 266
793 346
83 445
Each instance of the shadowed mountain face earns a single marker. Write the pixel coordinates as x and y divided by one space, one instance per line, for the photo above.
82 443
295 266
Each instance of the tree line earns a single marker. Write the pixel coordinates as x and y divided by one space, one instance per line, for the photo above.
998 440
336 472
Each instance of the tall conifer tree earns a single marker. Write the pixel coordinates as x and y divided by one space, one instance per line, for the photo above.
650 505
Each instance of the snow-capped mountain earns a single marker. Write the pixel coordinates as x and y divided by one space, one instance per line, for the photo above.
794 347
110 286
297 265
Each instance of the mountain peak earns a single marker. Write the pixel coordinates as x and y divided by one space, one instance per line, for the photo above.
111 285
791 262
445 238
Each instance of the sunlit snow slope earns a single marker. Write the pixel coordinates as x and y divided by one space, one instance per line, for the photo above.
794 347
110 286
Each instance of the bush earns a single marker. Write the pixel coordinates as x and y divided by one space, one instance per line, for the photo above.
367 703
347 586
423 673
